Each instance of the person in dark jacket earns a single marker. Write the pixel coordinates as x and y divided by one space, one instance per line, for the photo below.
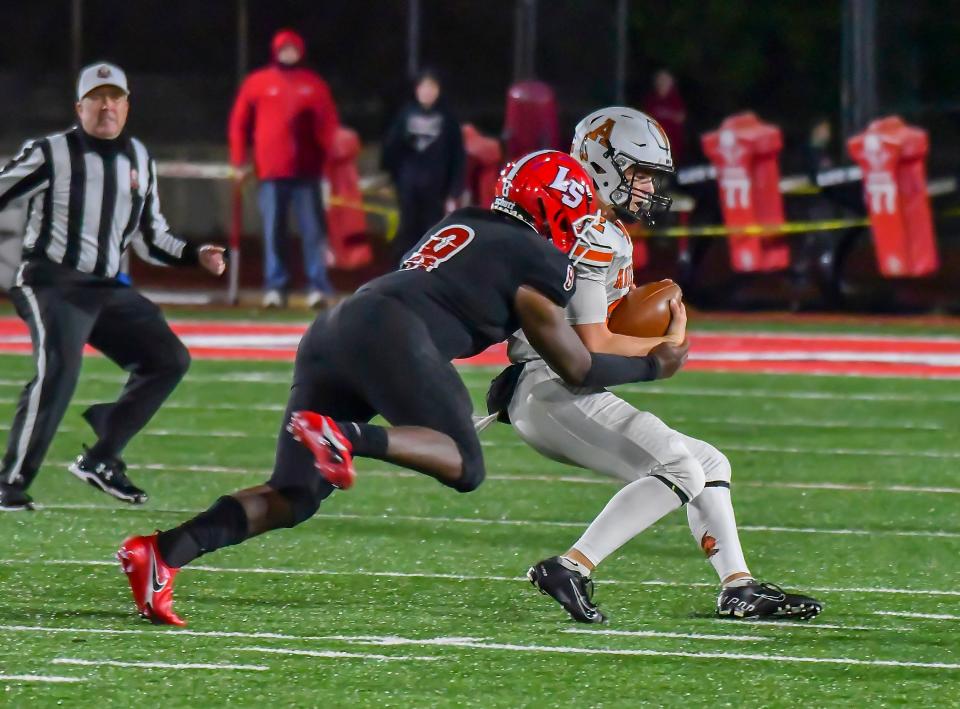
423 152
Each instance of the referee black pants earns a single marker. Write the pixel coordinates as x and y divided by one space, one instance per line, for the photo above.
66 310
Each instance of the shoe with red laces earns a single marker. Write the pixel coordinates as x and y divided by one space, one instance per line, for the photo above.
327 443
151 580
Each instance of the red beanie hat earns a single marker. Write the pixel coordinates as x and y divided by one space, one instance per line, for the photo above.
285 37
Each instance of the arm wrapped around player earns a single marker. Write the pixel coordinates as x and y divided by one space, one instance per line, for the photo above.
545 326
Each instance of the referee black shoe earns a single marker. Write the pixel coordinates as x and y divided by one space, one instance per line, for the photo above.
570 589
13 499
757 600
108 475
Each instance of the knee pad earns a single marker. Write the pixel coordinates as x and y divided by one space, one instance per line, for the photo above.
684 475
304 501
472 473
716 468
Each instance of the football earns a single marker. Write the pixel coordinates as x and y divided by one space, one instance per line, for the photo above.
645 311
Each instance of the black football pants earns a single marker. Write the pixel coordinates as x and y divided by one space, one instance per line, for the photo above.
371 355
63 315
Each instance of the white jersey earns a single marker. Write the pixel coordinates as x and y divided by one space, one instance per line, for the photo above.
603 261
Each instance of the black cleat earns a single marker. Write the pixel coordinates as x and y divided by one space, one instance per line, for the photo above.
110 476
765 600
569 588
13 499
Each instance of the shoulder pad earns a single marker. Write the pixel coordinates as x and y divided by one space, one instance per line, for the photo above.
600 232
597 242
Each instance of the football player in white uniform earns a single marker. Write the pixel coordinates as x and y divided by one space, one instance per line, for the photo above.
626 153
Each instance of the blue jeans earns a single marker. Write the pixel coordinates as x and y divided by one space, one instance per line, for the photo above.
275 198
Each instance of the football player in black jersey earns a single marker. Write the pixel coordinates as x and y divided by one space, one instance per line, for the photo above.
474 278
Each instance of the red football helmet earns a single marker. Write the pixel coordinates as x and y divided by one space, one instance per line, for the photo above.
547 190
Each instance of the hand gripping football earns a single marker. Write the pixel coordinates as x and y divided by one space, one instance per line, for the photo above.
645 311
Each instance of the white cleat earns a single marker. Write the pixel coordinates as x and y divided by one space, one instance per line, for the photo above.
272 299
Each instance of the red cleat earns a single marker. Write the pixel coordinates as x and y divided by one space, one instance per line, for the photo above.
327 443
151 580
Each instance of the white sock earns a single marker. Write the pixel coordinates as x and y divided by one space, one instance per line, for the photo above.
629 512
575 565
714 527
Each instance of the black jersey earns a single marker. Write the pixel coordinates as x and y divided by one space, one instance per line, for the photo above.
462 278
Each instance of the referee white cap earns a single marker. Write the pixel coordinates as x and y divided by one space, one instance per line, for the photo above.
100 74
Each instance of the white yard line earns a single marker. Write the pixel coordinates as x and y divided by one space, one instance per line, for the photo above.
479 521
816 625
764 393
585 480
561 649
816 450
200 405
751 624
924 616
163 467
241 377
463 577
180 432
747 354
51 679
746 625
158 665
647 389
738 447
791 450
658 634
334 654
166 632
850 487
891 425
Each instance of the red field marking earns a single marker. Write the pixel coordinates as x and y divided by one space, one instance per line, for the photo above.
852 355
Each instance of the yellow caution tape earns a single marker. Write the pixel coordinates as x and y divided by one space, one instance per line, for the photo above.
767 230
757 230
391 216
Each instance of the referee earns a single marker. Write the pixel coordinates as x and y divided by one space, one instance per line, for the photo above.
92 192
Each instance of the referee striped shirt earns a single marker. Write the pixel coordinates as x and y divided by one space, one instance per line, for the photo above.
89 199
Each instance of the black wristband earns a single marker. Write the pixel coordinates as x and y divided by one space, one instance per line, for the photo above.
190 256
609 370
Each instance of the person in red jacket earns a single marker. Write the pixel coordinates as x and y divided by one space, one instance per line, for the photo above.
288 112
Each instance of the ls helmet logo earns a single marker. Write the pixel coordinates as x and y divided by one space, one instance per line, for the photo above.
573 190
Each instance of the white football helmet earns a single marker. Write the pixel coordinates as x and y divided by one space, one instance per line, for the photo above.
609 141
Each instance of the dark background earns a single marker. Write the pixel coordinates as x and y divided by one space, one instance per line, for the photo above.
781 59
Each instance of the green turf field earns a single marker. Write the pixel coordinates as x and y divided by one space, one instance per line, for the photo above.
402 593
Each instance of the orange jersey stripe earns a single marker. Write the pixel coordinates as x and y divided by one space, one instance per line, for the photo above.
593 254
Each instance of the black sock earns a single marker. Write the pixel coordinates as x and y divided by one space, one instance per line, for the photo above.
368 441
222 525
101 451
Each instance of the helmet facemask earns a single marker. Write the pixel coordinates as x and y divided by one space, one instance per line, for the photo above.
629 200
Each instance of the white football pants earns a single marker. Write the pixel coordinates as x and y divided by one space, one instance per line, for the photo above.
597 430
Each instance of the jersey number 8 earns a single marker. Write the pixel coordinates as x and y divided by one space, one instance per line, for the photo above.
439 247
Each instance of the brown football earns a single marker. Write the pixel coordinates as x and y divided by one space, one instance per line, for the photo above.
645 311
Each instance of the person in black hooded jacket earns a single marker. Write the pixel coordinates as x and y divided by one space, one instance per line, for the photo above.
423 152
